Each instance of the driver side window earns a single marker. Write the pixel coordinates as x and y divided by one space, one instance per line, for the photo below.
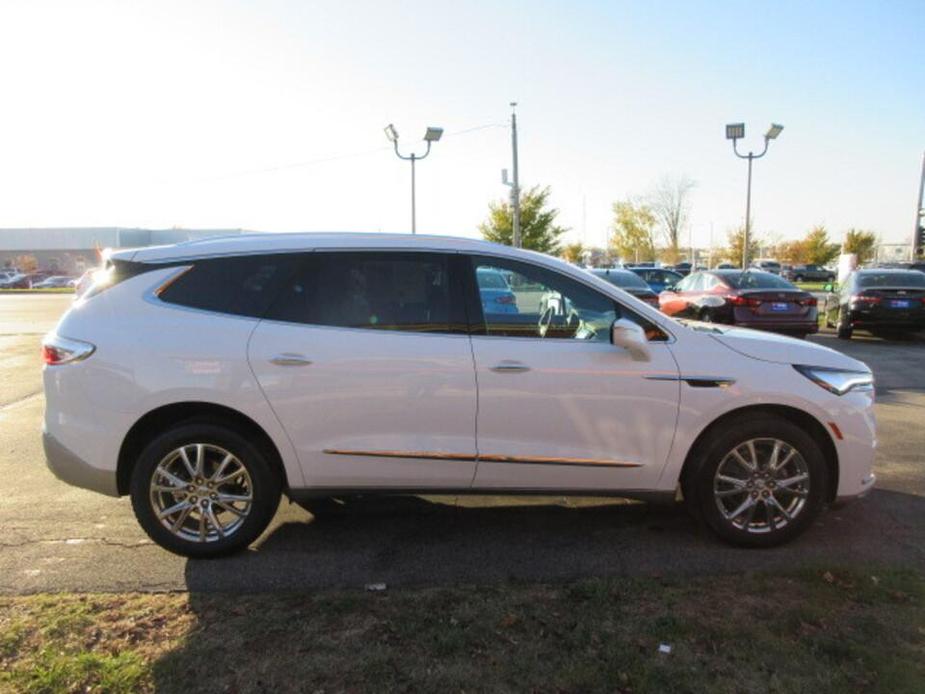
523 300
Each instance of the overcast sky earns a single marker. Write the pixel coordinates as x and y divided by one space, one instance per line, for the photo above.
269 115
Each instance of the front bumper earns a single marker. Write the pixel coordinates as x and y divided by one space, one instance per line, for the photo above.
71 468
867 485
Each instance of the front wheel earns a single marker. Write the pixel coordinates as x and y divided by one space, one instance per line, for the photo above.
202 490
760 483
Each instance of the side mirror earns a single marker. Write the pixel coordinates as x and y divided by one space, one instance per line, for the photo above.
631 337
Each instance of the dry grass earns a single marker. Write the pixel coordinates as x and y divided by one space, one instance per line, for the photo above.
826 631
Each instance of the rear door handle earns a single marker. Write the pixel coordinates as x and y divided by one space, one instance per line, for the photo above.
290 359
510 367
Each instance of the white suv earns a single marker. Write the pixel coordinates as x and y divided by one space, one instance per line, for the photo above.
205 379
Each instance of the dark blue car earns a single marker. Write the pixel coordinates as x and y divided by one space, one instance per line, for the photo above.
657 278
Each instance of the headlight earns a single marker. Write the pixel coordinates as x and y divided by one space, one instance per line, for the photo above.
838 381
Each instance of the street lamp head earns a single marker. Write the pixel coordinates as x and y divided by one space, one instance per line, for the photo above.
433 134
391 133
735 131
773 131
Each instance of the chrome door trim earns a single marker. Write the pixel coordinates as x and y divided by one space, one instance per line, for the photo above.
484 458
698 381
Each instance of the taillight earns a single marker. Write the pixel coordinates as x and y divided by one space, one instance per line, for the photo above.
737 300
505 299
58 350
811 301
863 299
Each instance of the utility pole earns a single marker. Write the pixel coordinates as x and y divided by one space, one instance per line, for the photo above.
918 238
515 189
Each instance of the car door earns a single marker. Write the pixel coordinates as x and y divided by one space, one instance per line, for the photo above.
366 361
560 407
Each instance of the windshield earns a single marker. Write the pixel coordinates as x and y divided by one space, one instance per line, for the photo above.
891 279
756 280
624 278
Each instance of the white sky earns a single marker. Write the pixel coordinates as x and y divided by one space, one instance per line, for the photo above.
200 114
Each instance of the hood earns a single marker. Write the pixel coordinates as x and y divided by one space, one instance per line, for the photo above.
781 349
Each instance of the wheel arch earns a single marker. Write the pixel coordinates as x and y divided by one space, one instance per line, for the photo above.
800 418
167 416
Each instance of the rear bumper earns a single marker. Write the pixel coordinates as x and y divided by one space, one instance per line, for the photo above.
878 319
68 467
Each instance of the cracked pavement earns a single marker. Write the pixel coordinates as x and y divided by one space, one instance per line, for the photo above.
55 538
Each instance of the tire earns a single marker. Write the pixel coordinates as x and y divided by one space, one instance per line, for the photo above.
766 526
843 329
798 278
247 484
706 316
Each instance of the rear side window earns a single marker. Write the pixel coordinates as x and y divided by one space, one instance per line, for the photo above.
377 291
240 285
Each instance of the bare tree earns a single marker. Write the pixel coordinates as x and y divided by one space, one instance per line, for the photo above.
670 201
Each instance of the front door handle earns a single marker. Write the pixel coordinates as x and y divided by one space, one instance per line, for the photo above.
290 359
510 367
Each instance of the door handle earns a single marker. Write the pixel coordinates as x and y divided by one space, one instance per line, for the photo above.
290 359
510 367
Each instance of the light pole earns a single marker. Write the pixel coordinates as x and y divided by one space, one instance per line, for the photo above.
734 131
430 136
918 239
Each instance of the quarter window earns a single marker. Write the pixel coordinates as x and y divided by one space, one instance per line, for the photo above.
239 285
376 291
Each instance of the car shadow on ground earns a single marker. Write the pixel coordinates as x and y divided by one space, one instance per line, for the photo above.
417 541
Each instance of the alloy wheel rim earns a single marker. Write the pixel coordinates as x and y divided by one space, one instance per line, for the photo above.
761 485
201 493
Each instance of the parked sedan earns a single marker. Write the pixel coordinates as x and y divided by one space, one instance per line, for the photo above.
630 282
19 281
751 299
879 300
495 292
808 273
658 279
55 282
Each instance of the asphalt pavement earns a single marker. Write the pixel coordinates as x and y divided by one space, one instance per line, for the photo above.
54 537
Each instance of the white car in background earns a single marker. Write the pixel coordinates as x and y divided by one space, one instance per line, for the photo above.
205 379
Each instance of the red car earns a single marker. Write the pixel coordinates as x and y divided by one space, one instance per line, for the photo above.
750 299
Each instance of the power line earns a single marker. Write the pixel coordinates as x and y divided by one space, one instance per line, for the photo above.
333 158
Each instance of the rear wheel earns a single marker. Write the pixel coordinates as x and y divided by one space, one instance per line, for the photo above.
759 484
201 490
706 316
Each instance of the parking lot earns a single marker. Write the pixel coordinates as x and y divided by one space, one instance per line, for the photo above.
56 537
